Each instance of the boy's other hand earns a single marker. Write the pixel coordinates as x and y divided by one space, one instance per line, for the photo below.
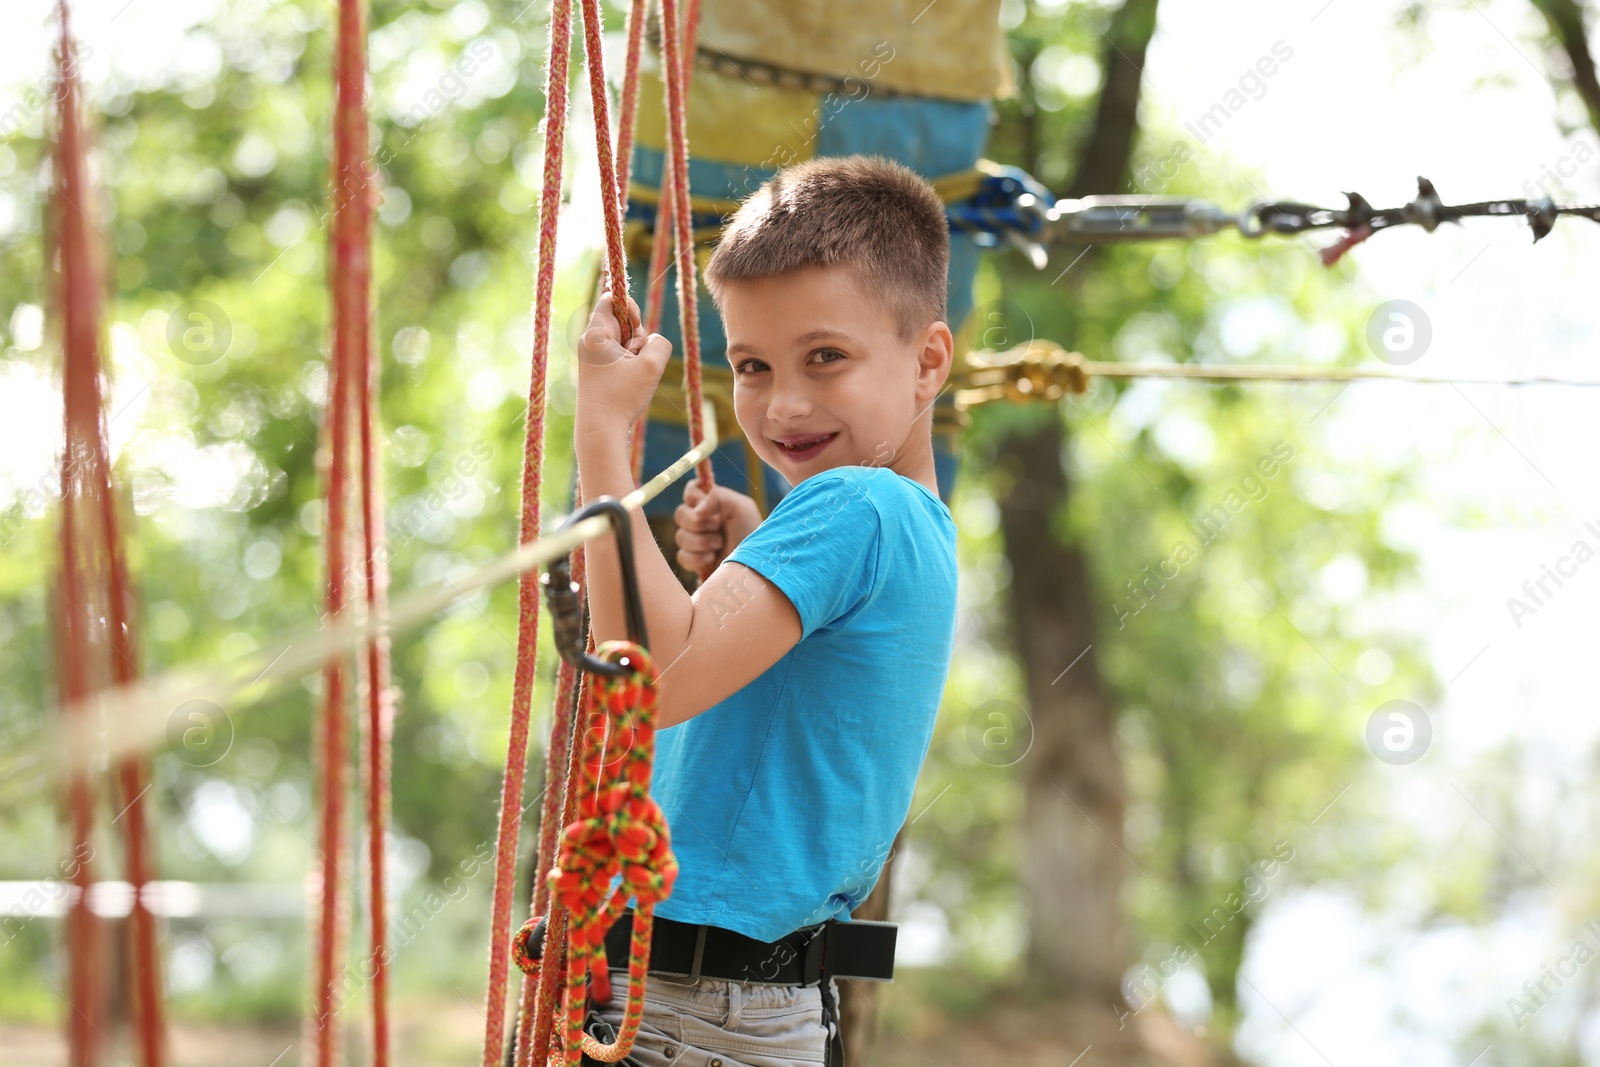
616 382
711 525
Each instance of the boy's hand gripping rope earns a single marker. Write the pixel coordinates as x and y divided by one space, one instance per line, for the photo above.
619 828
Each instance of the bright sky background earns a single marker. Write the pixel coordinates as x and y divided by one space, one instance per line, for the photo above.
1508 477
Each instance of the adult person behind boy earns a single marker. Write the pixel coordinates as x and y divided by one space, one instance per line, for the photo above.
799 684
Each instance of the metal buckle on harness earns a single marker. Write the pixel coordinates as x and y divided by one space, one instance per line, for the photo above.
606 1034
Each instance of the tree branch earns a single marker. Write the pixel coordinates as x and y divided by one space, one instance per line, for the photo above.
1567 25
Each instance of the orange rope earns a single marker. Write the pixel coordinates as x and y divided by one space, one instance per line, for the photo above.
611 202
349 383
558 51
561 967
356 201
326 937
688 304
77 305
656 292
539 991
630 101
619 829
655 299
94 585
625 124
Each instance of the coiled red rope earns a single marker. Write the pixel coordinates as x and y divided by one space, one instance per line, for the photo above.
619 829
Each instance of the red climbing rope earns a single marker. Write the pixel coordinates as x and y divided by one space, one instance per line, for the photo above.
380 718
355 201
539 990
624 162
133 775
537 1001
350 382
327 940
77 304
558 51
655 296
662 236
538 994
561 800
613 198
677 80
94 586
628 114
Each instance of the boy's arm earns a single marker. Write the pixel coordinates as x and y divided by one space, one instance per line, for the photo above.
710 645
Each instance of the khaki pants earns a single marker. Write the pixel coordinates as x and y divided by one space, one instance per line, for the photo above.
720 1023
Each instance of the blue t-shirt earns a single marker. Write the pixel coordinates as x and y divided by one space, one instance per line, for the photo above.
785 798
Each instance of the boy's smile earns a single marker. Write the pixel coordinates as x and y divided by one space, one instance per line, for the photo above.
821 379
802 447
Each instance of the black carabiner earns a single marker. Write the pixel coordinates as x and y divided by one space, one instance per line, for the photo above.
566 607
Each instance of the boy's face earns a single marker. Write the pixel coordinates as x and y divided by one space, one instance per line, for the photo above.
820 379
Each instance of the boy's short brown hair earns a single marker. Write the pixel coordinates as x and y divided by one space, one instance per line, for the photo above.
873 215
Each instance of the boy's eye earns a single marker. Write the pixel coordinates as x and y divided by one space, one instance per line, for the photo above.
824 352
749 366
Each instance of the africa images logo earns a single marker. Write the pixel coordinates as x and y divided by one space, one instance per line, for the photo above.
1536 592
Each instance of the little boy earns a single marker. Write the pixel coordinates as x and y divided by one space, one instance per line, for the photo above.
800 683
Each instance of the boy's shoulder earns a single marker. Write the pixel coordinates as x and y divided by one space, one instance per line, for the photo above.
882 487
830 542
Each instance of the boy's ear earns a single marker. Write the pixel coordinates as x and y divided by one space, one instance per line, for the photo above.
934 361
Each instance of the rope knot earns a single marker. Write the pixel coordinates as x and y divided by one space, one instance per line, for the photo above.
619 829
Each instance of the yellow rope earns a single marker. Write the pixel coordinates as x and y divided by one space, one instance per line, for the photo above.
1043 370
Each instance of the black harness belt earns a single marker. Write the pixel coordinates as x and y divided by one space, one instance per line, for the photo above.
859 948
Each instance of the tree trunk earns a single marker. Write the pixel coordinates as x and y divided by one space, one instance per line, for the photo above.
858 1001
1566 19
1072 778
1074 796
1074 865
